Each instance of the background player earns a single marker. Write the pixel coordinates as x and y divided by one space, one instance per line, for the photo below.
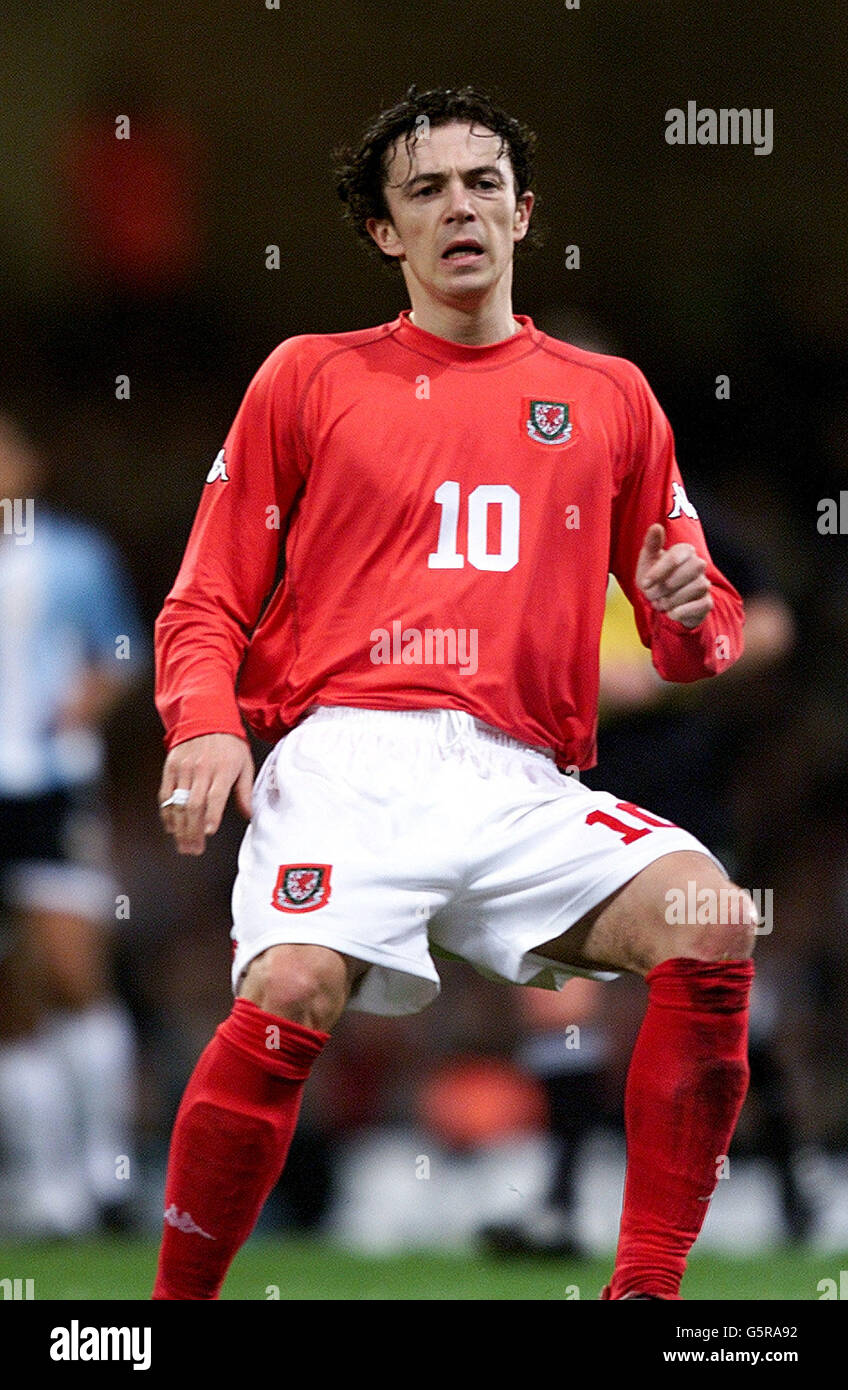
70 646
454 471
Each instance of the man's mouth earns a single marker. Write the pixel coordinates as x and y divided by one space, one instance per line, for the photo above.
463 251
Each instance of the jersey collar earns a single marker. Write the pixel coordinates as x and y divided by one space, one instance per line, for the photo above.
463 354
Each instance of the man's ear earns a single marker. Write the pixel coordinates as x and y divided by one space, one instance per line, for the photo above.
523 209
383 231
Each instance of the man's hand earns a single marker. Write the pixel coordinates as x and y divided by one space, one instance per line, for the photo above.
207 768
674 581
91 700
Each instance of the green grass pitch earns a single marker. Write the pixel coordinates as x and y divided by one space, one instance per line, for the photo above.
269 1268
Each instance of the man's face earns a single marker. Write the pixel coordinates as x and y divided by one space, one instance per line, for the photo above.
454 217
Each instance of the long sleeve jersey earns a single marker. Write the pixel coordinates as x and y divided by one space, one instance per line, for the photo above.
398 521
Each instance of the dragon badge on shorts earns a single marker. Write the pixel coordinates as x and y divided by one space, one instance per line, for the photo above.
301 887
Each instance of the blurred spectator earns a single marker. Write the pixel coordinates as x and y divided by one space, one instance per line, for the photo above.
70 646
566 1048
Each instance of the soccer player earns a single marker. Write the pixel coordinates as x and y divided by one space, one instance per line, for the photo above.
70 649
452 489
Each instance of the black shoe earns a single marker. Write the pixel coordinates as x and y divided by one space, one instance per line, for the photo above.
117 1219
549 1234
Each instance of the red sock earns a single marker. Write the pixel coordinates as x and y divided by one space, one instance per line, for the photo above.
688 1078
231 1138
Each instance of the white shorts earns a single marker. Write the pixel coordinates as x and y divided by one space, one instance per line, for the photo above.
383 834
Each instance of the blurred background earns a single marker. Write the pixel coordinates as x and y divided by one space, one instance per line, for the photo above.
137 298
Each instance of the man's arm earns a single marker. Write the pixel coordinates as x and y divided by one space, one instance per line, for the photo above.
96 693
101 606
205 625
686 610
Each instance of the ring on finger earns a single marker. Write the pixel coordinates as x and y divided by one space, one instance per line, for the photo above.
179 797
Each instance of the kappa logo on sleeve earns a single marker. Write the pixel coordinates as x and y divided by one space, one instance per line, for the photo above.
218 471
681 506
301 887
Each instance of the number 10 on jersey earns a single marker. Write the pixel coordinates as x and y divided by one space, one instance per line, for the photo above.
448 497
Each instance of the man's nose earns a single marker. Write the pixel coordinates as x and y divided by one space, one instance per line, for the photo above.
459 201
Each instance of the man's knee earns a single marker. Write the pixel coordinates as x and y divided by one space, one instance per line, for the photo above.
712 920
679 906
309 985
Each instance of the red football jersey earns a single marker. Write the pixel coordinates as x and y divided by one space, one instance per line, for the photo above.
450 515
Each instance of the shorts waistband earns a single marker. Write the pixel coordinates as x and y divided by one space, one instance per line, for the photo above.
450 724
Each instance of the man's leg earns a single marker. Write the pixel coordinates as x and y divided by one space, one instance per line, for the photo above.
47 969
689 1071
238 1114
91 1036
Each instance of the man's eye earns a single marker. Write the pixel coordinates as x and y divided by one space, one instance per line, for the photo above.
487 183
428 188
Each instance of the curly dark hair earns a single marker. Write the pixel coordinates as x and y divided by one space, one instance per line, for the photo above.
361 171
